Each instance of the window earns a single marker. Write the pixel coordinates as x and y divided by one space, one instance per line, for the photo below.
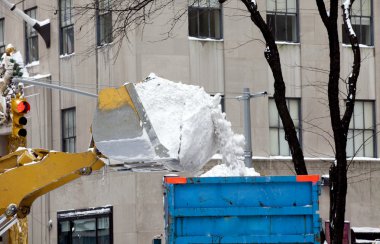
278 144
282 19
222 102
85 226
104 22
66 27
31 38
205 19
2 42
361 20
361 133
68 130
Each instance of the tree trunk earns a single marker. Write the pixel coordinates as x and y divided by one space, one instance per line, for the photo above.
273 58
338 170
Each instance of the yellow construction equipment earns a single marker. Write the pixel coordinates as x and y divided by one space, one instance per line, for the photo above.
122 131
129 136
27 174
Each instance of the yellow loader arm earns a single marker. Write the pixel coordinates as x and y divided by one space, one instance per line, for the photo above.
29 173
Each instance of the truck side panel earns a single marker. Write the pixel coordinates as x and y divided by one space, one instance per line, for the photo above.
276 209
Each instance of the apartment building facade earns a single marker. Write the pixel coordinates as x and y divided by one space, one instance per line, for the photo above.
212 45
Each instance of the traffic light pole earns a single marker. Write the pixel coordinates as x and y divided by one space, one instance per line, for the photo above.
17 138
52 86
246 98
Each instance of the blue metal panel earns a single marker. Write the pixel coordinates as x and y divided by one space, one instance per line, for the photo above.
272 209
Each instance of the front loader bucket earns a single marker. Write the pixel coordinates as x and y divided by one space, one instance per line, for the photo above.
122 130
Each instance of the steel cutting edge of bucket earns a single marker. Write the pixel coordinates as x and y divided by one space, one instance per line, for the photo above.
121 127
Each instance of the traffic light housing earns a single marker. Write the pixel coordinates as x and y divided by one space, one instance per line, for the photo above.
19 107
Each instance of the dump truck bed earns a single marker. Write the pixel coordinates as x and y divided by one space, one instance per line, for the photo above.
275 209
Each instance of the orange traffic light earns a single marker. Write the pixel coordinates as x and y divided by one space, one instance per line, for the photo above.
19 107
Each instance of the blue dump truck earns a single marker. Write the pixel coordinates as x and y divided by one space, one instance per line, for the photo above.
234 210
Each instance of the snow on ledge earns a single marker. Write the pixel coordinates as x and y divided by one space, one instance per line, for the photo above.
104 45
365 241
360 45
288 43
314 159
365 229
191 38
62 56
32 64
39 76
44 22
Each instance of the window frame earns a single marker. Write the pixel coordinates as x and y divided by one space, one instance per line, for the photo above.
208 9
64 143
280 127
2 42
79 214
101 38
65 28
286 13
345 37
361 131
31 34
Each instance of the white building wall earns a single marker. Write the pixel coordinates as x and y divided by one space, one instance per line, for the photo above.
225 66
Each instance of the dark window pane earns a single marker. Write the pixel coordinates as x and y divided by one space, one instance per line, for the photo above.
203 23
64 232
345 35
281 28
215 31
67 28
72 145
105 28
291 25
108 28
68 130
33 49
68 40
365 35
193 22
2 32
84 231
31 39
271 20
103 231
65 145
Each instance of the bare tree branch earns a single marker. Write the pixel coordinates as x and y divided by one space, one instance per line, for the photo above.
323 12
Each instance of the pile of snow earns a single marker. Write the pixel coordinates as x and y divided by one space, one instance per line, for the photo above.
190 124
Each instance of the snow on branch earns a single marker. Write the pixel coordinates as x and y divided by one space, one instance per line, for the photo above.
352 79
346 16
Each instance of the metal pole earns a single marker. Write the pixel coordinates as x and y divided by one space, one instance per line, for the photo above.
247 123
247 127
48 85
